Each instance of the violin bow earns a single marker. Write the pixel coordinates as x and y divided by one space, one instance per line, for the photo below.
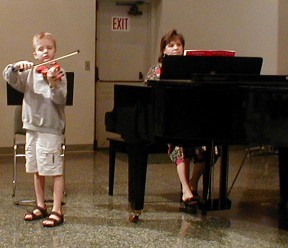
54 60
59 58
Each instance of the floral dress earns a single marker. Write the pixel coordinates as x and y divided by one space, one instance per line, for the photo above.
153 73
178 154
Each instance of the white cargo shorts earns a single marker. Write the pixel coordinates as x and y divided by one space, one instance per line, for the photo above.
43 153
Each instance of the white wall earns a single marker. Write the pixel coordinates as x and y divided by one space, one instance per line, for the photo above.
250 27
73 24
283 37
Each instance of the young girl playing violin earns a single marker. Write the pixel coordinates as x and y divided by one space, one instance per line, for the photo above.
45 90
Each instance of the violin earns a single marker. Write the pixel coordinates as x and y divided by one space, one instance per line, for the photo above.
43 69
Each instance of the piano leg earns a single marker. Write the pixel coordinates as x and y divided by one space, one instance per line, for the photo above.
137 160
211 203
224 202
112 157
283 175
207 187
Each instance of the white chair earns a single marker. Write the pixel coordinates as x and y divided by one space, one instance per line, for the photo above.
18 143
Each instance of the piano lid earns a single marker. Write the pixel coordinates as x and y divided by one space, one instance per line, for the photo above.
186 67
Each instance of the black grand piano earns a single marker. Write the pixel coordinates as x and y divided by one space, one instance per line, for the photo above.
223 100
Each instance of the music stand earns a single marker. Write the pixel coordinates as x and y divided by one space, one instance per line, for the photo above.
186 67
15 97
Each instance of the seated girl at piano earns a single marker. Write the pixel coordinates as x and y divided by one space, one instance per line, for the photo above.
172 43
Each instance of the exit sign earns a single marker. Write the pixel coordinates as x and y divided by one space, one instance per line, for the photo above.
120 23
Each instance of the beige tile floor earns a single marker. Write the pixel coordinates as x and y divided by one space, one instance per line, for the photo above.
94 219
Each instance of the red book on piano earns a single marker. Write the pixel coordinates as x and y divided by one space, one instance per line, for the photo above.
209 53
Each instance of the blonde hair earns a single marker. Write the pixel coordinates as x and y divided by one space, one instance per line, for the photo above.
42 35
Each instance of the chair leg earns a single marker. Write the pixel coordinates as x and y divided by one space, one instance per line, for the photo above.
32 202
63 158
25 203
14 173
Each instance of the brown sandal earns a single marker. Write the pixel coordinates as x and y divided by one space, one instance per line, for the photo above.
55 222
43 214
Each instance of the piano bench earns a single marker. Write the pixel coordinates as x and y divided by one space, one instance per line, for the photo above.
119 145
